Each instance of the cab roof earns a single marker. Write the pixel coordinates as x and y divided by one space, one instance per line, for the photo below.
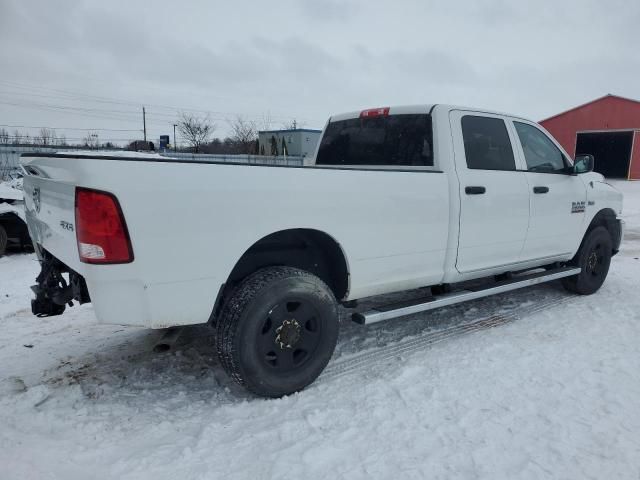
414 109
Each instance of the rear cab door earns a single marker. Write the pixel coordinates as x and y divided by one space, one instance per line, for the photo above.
557 197
494 194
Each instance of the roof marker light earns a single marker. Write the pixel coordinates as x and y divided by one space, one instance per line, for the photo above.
375 112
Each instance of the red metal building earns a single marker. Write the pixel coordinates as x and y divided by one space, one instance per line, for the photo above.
608 128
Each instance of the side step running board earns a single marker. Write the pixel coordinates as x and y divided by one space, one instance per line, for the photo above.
393 311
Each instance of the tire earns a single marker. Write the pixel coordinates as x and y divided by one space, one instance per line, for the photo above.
594 258
277 331
4 239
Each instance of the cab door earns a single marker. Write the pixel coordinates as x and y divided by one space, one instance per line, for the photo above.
494 192
557 198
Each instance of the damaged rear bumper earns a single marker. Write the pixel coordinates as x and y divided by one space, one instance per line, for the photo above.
56 287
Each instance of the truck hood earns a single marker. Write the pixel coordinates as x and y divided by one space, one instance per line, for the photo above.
603 193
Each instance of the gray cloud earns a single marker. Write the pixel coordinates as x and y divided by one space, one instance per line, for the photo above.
327 10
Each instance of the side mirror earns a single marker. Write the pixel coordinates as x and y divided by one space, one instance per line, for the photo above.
583 164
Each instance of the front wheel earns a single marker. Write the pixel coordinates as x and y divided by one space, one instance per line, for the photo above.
594 258
277 331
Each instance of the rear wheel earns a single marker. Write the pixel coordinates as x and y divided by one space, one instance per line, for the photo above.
4 239
277 331
594 258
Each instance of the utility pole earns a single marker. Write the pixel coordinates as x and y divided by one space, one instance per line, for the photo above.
175 145
144 124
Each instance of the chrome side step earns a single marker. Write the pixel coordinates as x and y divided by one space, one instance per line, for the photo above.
393 311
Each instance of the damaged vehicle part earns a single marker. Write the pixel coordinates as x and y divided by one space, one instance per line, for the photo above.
53 291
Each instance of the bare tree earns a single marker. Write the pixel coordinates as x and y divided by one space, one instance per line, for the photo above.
62 140
91 140
17 137
4 136
244 134
194 130
47 136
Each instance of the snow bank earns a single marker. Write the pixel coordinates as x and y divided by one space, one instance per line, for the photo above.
108 153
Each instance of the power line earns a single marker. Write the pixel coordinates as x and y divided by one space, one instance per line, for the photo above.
117 115
69 103
69 141
64 94
75 128
74 112
71 107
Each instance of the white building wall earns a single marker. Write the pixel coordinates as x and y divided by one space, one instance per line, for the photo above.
299 142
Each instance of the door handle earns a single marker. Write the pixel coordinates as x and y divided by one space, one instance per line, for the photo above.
474 190
540 189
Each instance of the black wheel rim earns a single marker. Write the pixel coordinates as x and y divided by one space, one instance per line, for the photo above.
290 335
595 260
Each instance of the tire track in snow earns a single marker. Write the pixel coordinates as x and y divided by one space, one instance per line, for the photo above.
361 361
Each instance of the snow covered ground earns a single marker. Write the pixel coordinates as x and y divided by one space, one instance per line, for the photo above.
533 384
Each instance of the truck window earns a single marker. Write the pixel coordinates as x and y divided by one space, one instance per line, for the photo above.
540 153
394 140
486 143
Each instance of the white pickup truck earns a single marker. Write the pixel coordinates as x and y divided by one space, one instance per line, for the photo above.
395 199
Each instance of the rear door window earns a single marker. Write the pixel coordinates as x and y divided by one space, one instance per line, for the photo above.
394 140
486 143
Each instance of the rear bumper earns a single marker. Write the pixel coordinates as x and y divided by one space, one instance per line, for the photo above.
119 299
56 286
159 305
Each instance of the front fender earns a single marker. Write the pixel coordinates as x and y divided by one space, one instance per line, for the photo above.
604 206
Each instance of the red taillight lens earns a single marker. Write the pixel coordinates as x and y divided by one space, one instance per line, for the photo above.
375 112
100 228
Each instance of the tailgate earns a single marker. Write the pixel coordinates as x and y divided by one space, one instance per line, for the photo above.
49 197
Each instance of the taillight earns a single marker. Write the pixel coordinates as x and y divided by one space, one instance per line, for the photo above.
375 112
100 228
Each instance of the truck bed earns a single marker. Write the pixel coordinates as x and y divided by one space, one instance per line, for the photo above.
190 222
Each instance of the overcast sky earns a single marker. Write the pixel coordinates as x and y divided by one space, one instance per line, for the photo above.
91 64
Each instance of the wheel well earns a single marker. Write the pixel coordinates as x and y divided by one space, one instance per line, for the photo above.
307 249
13 225
606 218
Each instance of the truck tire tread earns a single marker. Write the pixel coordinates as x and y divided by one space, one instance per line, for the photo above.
231 316
586 283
